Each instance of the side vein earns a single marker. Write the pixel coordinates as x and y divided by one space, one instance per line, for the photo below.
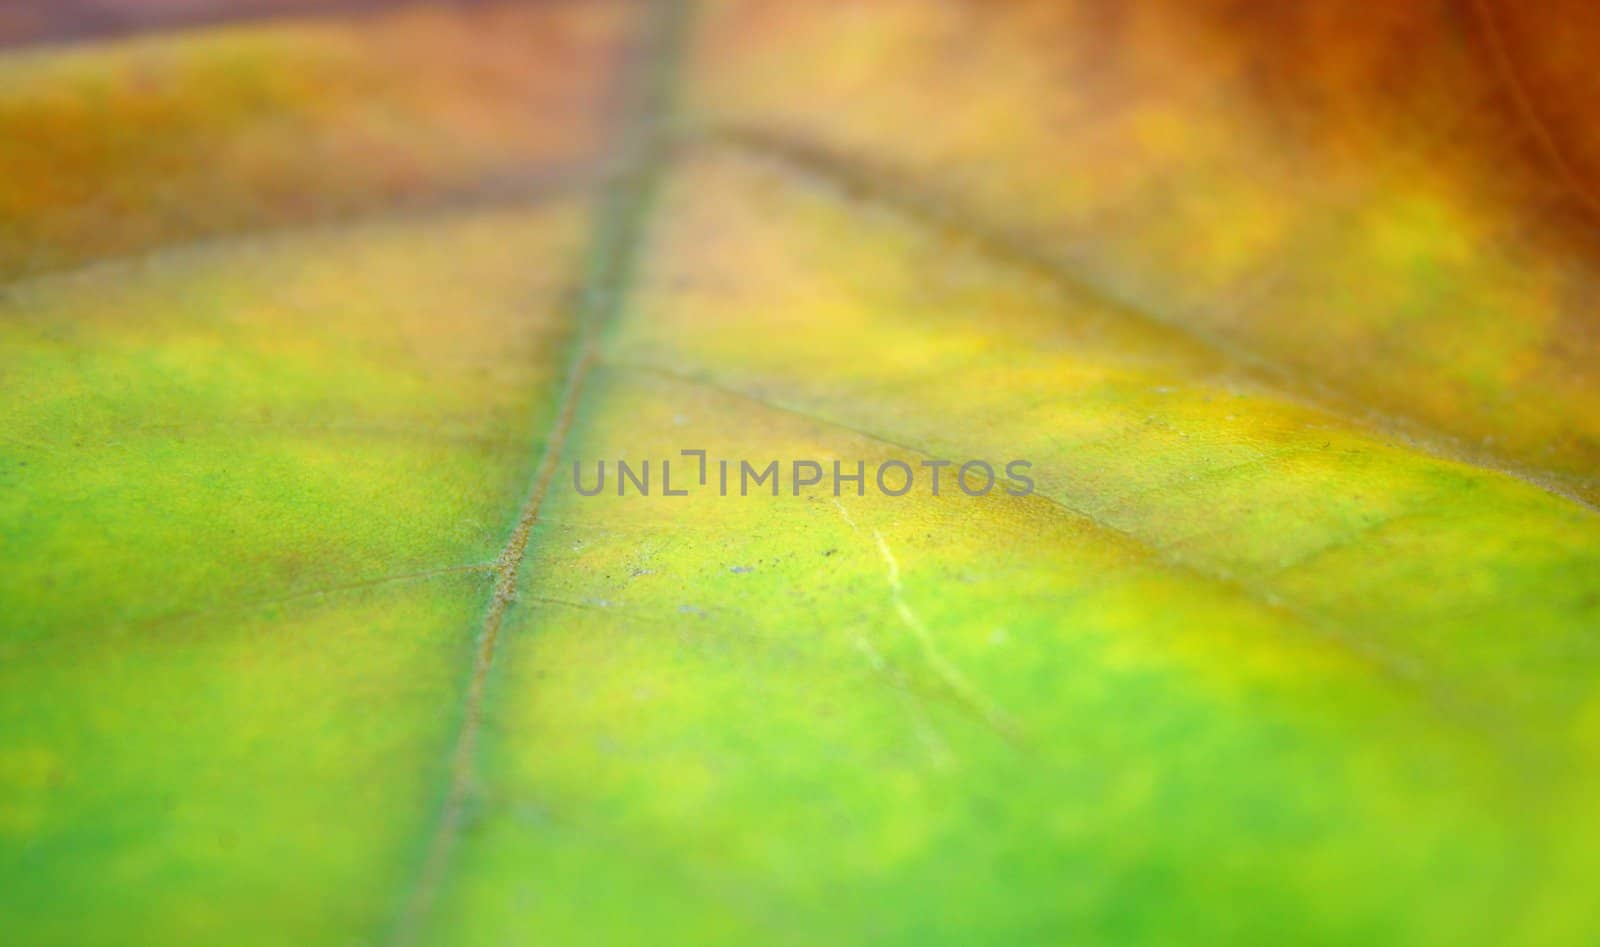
852 177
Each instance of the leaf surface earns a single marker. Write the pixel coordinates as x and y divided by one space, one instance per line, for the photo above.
309 637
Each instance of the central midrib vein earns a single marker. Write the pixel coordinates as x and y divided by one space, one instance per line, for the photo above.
648 103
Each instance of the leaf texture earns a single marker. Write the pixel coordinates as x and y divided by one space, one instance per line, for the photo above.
308 636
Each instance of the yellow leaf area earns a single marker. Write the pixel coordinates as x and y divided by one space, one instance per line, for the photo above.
1376 204
307 636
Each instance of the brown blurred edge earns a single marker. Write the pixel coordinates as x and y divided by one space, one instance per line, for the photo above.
45 22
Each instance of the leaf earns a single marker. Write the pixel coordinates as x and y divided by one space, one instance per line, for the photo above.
309 638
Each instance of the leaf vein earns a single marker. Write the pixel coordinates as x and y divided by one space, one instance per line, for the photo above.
648 96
